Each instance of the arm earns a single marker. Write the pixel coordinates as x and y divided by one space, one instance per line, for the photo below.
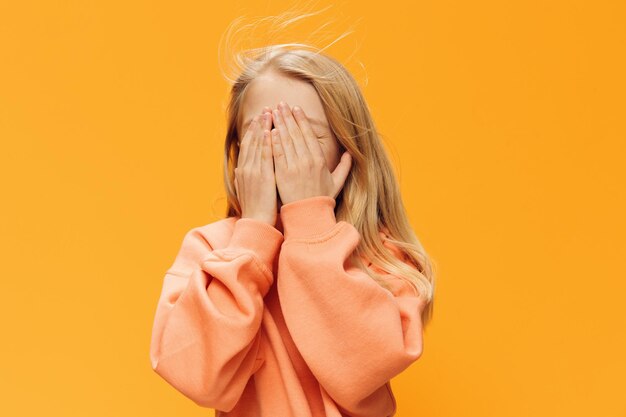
354 334
205 336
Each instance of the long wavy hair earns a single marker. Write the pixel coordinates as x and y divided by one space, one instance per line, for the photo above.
370 199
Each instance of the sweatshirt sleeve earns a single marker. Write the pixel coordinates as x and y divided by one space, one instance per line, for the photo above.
205 335
354 334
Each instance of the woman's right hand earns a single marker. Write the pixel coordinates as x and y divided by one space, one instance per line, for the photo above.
255 182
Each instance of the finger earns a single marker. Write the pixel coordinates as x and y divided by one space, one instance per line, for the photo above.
245 143
342 171
255 160
267 164
280 162
288 153
265 122
293 130
267 118
307 131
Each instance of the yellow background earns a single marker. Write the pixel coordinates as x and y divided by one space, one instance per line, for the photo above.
505 121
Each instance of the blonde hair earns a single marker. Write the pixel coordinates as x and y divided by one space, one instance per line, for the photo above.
370 199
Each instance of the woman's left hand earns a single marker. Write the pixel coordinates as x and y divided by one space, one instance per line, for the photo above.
299 163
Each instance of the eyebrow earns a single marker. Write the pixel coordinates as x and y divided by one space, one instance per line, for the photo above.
318 122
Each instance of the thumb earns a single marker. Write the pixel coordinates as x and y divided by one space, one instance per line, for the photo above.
342 170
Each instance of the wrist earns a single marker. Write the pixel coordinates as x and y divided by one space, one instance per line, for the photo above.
259 237
265 219
308 217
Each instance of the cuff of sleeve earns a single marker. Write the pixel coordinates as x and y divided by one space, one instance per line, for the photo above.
308 217
261 238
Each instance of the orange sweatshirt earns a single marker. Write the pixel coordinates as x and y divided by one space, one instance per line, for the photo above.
254 321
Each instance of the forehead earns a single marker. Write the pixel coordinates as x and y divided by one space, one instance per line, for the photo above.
270 88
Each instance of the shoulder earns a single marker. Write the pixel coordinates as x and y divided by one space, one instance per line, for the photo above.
386 239
398 285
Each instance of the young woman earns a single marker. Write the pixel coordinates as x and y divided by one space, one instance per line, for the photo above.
313 292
